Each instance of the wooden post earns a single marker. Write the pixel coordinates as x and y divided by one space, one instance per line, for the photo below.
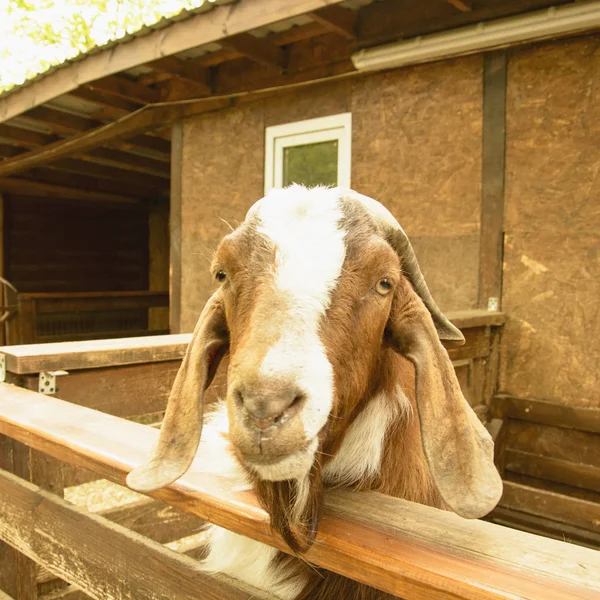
158 268
175 227
3 297
492 179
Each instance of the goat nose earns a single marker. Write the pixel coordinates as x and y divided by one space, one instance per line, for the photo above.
269 405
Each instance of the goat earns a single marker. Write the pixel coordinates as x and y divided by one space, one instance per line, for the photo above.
337 377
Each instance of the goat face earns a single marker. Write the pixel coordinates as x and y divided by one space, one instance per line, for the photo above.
306 292
315 287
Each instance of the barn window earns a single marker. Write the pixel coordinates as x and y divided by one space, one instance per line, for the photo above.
312 152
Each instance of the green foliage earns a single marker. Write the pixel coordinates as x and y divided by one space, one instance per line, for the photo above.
37 34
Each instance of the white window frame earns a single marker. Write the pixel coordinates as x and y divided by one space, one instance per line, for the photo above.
311 131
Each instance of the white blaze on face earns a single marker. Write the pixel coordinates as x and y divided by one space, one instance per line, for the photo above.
303 226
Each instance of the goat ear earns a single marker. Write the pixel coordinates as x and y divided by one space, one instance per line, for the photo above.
182 425
458 449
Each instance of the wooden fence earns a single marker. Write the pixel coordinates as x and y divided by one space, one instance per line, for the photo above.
48 444
56 317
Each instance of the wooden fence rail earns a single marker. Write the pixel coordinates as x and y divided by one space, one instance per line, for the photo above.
406 549
56 317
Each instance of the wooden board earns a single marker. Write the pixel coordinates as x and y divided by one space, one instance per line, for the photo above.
175 228
106 353
125 391
83 549
582 418
556 530
406 549
549 504
94 354
553 469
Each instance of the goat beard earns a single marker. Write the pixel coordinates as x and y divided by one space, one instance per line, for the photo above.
294 506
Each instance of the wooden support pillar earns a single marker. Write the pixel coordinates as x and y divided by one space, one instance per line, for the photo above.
3 295
175 228
492 180
158 268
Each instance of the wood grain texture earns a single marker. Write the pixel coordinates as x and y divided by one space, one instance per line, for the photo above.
83 549
554 469
66 246
125 391
550 504
406 549
552 249
94 354
175 228
556 530
582 418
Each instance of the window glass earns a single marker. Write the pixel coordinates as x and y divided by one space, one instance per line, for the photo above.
311 164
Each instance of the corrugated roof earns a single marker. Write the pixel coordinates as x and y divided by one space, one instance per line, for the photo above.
206 6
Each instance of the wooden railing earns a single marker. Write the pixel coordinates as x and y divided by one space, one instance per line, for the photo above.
55 317
405 549
549 457
401 548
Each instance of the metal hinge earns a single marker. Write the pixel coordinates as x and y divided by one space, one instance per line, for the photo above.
2 368
493 304
47 382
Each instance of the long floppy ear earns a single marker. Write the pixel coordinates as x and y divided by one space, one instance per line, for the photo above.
458 449
182 425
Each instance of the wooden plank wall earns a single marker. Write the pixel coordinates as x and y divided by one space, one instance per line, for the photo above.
67 246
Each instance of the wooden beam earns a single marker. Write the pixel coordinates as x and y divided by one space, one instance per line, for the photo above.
85 182
575 474
290 36
551 505
402 548
179 37
24 187
461 5
491 236
68 356
71 165
257 49
125 88
146 119
175 228
188 70
515 519
8 151
57 121
83 548
126 160
337 19
151 142
582 418
25 137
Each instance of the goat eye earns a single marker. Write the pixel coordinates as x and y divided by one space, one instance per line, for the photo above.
221 276
383 286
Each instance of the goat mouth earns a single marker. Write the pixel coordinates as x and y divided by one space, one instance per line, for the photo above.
279 467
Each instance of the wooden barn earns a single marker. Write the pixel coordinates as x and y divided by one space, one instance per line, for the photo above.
476 122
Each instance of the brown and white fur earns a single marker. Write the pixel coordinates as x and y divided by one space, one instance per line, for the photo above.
336 378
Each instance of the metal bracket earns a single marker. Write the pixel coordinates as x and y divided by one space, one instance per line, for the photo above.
47 382
2 368
493 304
